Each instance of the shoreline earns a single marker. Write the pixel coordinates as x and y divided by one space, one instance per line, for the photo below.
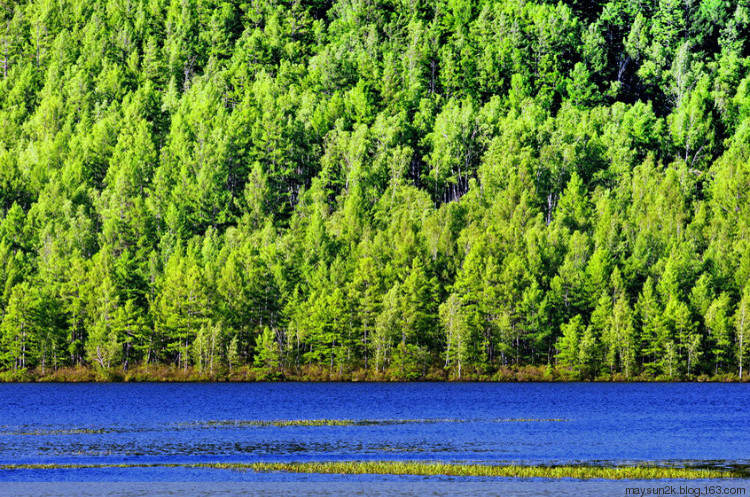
315 374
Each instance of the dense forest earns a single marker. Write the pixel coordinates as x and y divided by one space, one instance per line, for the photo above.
402 189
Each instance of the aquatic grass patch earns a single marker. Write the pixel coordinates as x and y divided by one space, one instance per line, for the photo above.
72 431
580 472
278 423
530 420
282 423
53 466
416 468
357 422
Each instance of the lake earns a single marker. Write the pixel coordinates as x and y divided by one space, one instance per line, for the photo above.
682 424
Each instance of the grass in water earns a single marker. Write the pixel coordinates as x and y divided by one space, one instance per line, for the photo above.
272 423
360 422
72 431
645 472
324 422
486 470
282 422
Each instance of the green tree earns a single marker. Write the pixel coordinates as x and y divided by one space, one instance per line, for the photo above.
568 345
457 334
20 326
718 323
103 344
742 325
268 353
181 309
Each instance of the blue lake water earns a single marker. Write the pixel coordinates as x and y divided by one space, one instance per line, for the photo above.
676 424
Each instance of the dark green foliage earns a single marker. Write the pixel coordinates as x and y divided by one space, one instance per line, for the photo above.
409 190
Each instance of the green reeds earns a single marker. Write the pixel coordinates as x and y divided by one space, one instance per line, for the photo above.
645 472
282 422
48 466
273 423
320 422
359 422
416 468
71 431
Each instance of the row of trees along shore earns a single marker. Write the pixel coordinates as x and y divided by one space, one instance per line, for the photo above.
375 188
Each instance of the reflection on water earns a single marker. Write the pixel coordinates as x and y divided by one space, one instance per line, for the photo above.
702 425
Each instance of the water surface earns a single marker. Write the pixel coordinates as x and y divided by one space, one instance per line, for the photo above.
497 423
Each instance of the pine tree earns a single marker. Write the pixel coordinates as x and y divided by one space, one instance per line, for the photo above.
20 326
568 345
718 323
457 334
181 309
742 325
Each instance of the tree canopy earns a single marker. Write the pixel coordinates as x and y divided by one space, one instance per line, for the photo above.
394 187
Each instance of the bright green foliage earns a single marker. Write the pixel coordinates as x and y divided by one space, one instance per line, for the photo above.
398 188
742 327
457 334
20 327
718 323
103 343
268 352
569 344
181 309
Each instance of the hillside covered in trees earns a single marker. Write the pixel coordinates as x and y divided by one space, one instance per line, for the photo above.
406 189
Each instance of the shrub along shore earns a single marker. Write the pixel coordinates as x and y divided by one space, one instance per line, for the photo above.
167 373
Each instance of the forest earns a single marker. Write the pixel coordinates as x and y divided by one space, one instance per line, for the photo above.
375 189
